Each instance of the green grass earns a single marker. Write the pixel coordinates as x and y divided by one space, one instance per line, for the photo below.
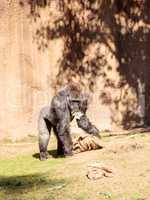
25 177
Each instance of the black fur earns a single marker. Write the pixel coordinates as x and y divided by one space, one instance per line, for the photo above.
58 116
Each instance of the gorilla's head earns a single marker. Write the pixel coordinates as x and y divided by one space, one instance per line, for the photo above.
74 105
77 100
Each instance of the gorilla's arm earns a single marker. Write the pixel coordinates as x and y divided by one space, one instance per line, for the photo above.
84 123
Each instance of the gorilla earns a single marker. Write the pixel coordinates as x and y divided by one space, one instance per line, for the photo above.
68 104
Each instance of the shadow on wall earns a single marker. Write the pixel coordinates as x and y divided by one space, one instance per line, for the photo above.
106 42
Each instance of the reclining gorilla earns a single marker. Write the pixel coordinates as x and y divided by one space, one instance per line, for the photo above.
68 104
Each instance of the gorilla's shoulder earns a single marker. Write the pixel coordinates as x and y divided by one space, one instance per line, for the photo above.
59 101
45 111
64 92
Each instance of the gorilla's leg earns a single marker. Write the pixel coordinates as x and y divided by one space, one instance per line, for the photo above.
69 140
44 136
60 150
84 123
65 138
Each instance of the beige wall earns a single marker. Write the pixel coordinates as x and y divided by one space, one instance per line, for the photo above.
24 72
27 73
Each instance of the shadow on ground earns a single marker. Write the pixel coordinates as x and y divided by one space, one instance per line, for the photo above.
19 186
52 153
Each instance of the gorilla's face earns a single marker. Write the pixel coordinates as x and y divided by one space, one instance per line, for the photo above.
74 105
78 105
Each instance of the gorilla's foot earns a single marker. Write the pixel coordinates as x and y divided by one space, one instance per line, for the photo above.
68 154
48 155
62 154
43 156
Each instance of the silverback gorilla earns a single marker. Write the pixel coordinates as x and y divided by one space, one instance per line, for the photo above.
68 104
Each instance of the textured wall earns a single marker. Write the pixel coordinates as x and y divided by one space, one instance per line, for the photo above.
24 71
27 73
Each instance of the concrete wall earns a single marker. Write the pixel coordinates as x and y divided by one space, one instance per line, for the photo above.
27 73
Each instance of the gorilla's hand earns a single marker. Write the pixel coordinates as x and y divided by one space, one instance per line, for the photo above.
84 123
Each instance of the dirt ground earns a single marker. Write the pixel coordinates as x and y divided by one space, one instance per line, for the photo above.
127 154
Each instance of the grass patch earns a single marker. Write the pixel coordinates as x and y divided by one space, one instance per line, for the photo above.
25 177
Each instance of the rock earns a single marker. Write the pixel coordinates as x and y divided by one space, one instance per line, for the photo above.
98 170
